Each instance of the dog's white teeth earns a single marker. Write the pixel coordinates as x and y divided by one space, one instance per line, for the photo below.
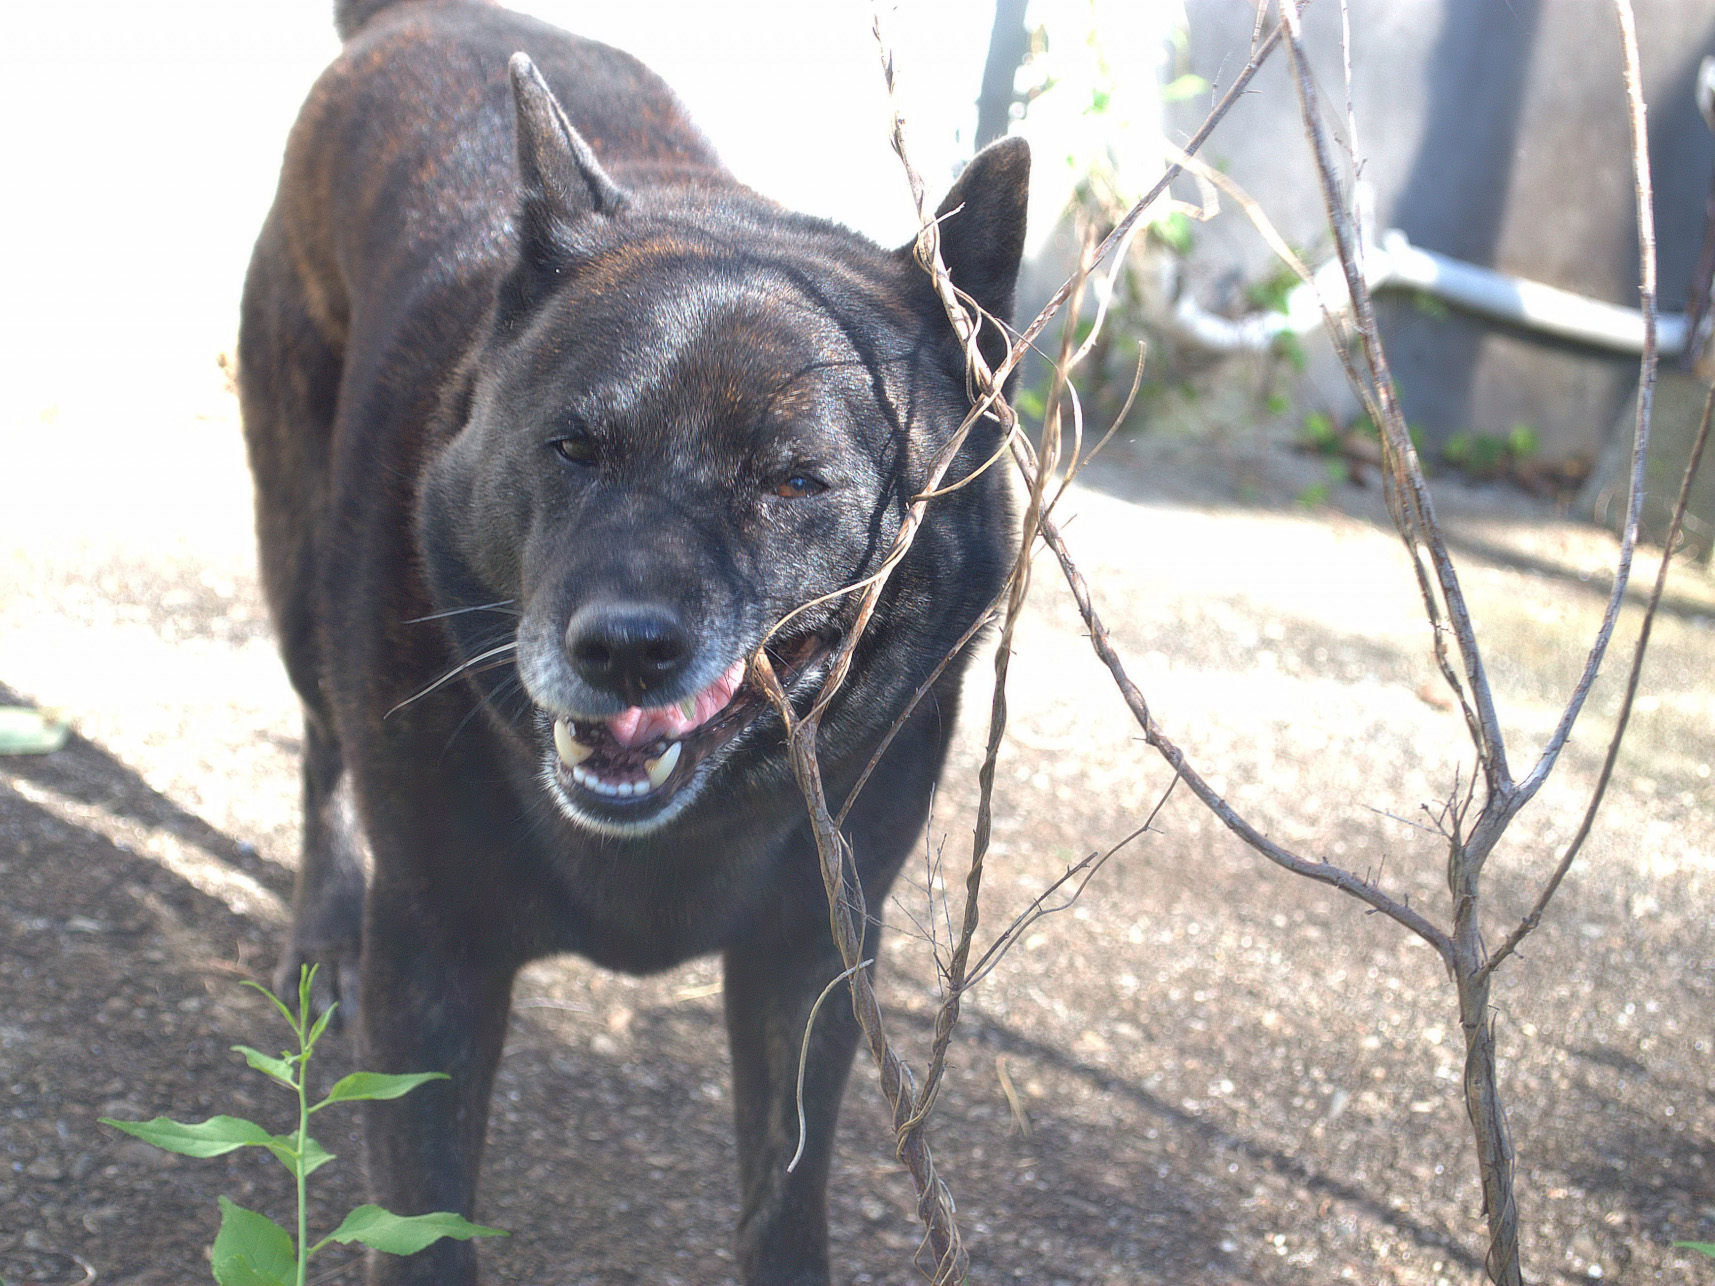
589 781
661 769
572 751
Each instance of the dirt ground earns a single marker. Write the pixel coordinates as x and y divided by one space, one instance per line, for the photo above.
1206 1072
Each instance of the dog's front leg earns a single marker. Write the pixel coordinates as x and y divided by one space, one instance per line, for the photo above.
433 1001
327 896
772 982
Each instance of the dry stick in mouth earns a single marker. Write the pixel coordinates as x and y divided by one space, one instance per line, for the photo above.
1018 586
935 1206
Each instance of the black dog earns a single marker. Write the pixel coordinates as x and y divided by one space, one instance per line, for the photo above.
552 422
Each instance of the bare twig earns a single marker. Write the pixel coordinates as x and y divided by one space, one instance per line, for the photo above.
1646 395
1007 1088
1039 907
804 1055
1530 921
1418 508
1321 871
984 619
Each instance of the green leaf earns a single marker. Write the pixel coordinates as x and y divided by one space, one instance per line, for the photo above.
214 1137
272 999
251 1249
24 731
285 1150
1183 87
365 1085
1320 434
320 1027
405 1234
1701 1247
306 981
1175 232
279 1068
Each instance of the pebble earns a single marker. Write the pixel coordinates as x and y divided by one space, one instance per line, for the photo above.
45 1168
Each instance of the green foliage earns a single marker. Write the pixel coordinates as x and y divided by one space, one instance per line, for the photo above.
1313 496
1032 403
1428 305
1174 231
403 1234
1484 455
1320 435
1701 1247
1522 442
250 1248
1271 292
214 1137
1289 346
1180 88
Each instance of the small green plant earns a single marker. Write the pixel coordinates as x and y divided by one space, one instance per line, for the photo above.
1271 292
1175 232
251 1249
1484 455
1701 1247
1428 305
1320 435
1290 349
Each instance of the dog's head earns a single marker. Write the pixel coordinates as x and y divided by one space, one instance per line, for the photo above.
697 416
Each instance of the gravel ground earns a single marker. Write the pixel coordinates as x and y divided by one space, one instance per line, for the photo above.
1205 1072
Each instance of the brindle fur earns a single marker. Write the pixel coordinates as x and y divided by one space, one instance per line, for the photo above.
448 277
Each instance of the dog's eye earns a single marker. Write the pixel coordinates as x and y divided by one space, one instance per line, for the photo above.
575 446
796 486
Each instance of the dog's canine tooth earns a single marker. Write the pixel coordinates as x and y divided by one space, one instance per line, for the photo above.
661 769
572 751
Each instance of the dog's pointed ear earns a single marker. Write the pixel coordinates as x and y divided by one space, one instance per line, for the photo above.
982 224
560 181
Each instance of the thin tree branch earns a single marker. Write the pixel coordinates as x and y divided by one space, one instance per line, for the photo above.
1491 747
1323 872
1646 395
1038 908
1529 923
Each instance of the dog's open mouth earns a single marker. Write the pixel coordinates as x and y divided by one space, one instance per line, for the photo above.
641 756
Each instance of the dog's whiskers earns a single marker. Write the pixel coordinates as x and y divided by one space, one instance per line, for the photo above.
453 673
501 605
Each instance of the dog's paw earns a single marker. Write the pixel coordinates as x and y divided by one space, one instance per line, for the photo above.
335 986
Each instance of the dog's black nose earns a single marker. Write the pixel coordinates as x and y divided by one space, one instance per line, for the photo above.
634 650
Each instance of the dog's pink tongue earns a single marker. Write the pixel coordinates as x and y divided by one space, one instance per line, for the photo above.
639 725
